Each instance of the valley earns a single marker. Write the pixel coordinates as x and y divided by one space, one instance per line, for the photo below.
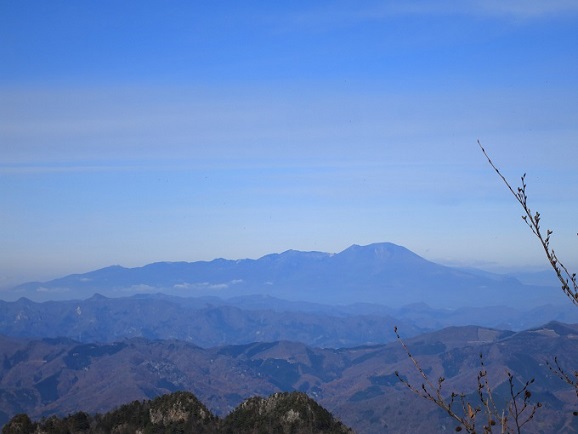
307 322
358 385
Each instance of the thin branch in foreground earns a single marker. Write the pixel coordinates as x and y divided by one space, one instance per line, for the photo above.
517 412
561 373
568 280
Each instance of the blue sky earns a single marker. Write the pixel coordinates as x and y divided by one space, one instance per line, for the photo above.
141 131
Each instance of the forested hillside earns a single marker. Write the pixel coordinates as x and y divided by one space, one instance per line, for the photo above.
182 412
358 385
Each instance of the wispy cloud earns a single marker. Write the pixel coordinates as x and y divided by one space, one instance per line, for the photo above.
359 12
154 129
205 285
516 8
24 169
523 8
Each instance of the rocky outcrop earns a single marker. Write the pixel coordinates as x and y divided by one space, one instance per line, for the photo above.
293 412
286 412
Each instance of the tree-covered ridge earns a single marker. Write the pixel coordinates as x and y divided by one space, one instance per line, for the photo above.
182 412
288 412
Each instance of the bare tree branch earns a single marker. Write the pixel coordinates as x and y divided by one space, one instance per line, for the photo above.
568 281
517 412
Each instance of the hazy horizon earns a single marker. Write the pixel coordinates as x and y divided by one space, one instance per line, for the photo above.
540 273
133 132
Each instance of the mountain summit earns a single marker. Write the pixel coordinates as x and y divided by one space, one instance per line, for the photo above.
382 273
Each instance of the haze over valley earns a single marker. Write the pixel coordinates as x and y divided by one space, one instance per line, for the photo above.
380 273
240 217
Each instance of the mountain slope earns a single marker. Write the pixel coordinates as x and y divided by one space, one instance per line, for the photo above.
358 385
206 321
292 412
378 273
210 321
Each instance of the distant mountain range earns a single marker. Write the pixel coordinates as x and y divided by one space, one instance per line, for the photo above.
381 273
312 322
43 377
211 321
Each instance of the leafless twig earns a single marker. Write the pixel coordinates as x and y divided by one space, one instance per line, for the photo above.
510 419
568 281
557 369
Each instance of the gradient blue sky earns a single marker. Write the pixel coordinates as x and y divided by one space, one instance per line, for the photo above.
142 131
